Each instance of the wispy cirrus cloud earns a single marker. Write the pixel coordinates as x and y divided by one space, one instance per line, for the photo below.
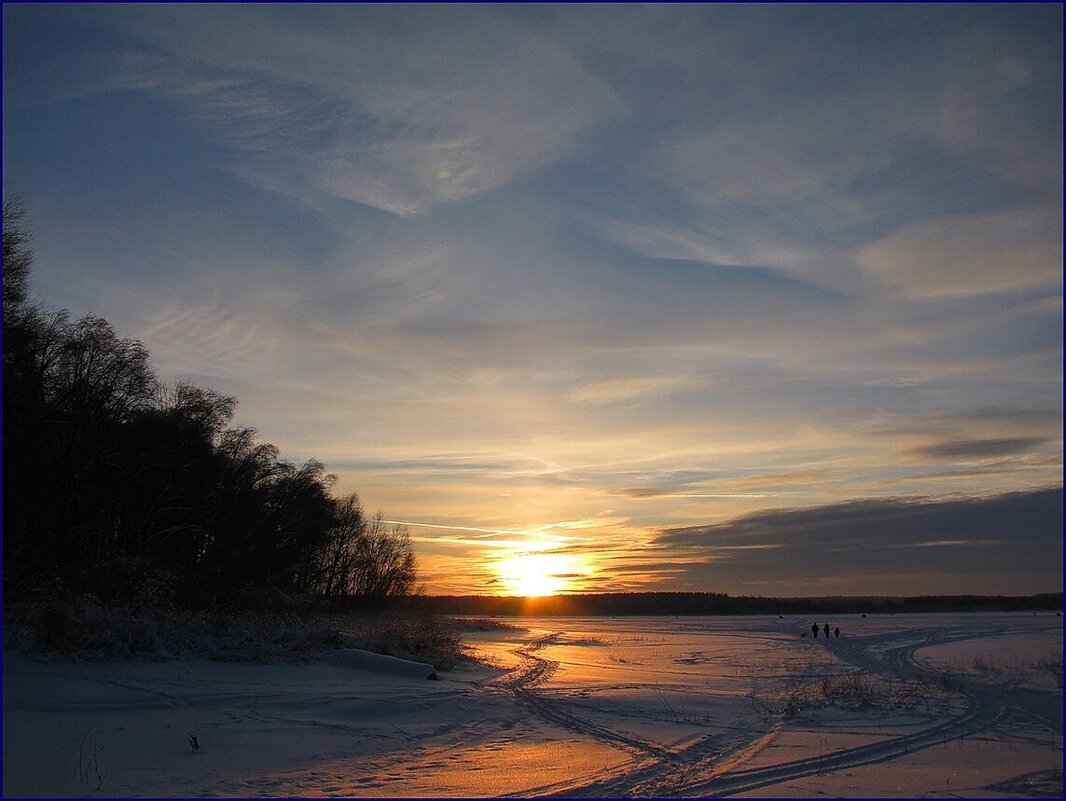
995 108
387 112
615 390
959 256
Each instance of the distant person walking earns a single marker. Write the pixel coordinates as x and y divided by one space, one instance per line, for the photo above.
827 631
836 632
814 630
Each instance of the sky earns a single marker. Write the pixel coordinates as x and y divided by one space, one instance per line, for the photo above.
757 299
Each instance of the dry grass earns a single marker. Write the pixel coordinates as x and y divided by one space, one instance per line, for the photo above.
850 690
1052 664
80 627
1003 669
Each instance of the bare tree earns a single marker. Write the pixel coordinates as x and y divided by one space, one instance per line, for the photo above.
339 555
366 560
17 255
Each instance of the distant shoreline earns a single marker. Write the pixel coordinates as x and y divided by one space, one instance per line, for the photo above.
696 603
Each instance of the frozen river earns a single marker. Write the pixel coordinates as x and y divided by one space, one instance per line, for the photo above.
936 705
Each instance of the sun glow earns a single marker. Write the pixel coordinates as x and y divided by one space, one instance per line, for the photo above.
537 574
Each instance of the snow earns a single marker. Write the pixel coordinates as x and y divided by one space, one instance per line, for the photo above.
590 706
382 663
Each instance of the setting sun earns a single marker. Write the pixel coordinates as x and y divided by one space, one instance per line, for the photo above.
536 574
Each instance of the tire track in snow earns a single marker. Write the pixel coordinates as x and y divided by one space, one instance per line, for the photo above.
710 767
654 767
986 707
532 669
535 669
710 755
977 717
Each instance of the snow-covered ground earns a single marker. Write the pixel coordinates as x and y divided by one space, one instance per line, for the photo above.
937 705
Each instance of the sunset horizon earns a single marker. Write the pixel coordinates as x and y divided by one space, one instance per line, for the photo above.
747 299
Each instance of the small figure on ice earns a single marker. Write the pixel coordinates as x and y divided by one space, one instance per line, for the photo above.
814 629
194 743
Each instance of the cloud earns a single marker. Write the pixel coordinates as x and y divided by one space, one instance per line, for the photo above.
371 105
645 492
788 158
1001 101
735 237
656 492
971 255
1016 537
616 390
993 440
804 162
946 543
209 339
979 448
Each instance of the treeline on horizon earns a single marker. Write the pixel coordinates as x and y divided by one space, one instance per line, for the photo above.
714 603
119 485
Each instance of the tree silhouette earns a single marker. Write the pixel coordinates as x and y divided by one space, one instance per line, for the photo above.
103 463
363 559
17 255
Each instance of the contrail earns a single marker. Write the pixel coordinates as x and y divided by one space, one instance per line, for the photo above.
454 528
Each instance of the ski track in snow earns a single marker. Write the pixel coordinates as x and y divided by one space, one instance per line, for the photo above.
535 670
712 765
